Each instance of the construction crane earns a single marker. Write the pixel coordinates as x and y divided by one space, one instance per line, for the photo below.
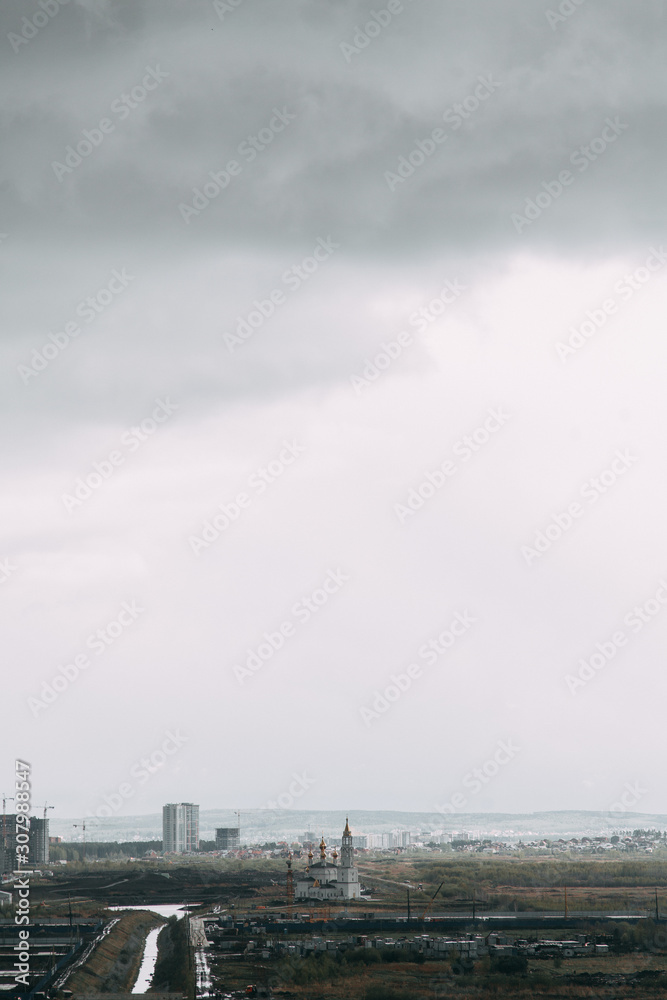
432 900
45 853
83 826
5 800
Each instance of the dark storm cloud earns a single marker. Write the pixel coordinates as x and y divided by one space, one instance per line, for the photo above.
333 170
353 122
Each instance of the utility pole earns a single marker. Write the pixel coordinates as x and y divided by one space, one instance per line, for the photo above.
190 948
565 887
408 892
290 888
657 914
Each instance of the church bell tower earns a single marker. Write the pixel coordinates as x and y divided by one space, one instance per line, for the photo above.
348 877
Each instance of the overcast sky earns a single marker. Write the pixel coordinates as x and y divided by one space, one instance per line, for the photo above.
166 336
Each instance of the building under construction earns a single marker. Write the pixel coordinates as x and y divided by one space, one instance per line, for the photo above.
39 841
227 838
38 844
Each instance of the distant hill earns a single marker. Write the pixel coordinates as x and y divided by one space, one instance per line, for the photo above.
267 825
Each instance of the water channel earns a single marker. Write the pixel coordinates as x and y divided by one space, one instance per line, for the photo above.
149 959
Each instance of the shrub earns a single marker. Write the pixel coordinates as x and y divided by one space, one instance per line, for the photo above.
511 965
363 956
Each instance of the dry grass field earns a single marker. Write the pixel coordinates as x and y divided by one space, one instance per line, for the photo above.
255 889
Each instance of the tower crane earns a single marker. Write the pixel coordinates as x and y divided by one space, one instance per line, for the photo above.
5 800
83 826
45 852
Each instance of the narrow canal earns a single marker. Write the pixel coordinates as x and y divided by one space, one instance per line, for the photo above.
149 959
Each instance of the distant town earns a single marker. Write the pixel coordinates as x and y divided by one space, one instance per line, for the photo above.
181 835
238 914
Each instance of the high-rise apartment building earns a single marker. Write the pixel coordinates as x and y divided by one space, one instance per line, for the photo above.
39 841
180 827
8 833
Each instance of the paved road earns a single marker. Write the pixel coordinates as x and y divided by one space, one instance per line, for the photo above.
197 935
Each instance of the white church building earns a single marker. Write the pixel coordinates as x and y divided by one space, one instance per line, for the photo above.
327 879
